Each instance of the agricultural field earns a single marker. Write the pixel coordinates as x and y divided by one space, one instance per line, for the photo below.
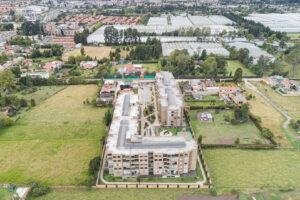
233 65
270 117
241 169
53 142
289 104
221 132
98 52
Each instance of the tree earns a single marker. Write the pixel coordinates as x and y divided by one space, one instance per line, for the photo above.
267 133
245 112
250 37
200 140
32 102
23 102
237 141
38 190
203 55
16 71
82 51
294 57
94 166
108 117
238 75
138 178
209 66
6 79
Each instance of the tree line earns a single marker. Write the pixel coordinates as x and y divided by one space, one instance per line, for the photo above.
181 63
19 40
254 28
113 36
6 27
150 50
31 28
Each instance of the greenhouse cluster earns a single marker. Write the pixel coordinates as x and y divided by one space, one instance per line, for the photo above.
194 48
254 51
289 22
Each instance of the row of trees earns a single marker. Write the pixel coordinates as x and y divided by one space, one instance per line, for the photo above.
6 27
254 28
30 28
113 36
150 50
197 32
55 50
81 37
181 63
21 41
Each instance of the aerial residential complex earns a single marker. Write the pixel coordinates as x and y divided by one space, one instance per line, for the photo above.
129 154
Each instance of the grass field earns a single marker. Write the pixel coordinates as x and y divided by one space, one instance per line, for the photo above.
5 194
206 104
294 36
234 65
220 132
41 94
120 194
54 142
98 52
235 168
271 118
152 67
289 104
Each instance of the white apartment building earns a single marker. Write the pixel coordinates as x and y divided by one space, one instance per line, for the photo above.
129 154
170 100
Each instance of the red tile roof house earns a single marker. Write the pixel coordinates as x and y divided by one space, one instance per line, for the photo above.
27 62
88 64
51 66
133 69
227 90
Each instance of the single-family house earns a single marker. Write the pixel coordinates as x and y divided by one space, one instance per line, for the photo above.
51 66
88 64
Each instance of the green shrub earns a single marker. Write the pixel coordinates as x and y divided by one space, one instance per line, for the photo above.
267 133
23 102
38 190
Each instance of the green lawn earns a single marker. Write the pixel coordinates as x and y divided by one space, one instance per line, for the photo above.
151 67
234 65
39 93
289 104
53 142
235 168
5 194
206 104
294 36
120 194
221 132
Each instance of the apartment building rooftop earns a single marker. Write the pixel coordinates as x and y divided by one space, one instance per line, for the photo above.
168 90
123 135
